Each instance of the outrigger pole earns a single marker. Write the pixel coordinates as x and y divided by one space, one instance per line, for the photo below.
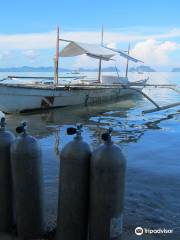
56 64
161 108
127 65
100 60
157 107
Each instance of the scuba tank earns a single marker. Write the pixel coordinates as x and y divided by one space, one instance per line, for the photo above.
6 202
74 188
28 184
107 180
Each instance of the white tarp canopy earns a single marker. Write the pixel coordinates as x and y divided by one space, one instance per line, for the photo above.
124 55
92 50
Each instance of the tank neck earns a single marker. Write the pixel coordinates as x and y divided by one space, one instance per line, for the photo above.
24 134
2 129
106 137
78 137
109 142
22 129
3 124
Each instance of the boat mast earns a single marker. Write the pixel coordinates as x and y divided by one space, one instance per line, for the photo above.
100 60
127 65
56 72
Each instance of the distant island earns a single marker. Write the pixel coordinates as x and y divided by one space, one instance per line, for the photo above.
27 69
142 68
177 69
51 69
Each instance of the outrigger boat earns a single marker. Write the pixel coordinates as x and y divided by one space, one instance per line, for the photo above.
44 93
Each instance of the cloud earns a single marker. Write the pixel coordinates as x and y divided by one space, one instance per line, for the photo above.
154 52
30 54
5 55
28 41
153 49
118 36
47 40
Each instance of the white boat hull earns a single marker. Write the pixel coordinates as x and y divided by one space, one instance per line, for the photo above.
20 98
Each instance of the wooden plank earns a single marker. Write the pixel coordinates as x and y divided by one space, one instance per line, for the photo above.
22 77
133 84
107 85
49 78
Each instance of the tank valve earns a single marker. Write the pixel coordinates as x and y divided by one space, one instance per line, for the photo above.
3 122
107 135
72 130
22 128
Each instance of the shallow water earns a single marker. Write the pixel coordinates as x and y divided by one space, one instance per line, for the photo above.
150 142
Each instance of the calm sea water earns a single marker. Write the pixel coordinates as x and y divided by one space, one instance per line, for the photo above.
150 142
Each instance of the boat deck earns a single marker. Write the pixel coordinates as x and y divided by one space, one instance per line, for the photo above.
72 86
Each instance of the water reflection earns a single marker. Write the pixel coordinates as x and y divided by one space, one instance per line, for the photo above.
150 142
124 117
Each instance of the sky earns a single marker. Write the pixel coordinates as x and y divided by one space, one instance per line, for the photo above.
28 31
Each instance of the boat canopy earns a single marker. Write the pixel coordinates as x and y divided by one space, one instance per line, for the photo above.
124 55
94 51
